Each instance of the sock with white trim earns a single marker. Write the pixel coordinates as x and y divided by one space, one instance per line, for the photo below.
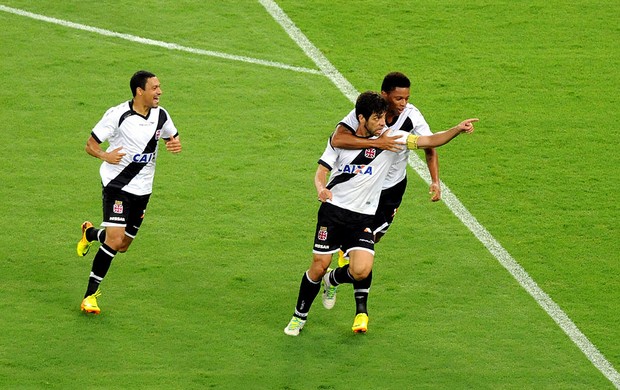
308 290
101 265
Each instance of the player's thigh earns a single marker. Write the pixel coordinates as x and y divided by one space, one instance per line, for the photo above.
389 203
136 213
328 232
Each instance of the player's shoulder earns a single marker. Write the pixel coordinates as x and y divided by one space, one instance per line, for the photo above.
395 132
349 122
119 109
412 110
162 109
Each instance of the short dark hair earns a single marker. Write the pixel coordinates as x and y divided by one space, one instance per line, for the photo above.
369 103
394 80
139 80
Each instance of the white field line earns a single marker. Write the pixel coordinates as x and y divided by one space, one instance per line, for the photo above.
327 69
492 245
152 42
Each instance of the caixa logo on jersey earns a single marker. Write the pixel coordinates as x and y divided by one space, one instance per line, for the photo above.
357 169
143 158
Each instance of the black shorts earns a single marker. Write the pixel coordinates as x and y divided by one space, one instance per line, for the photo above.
340 229
389 202
122 209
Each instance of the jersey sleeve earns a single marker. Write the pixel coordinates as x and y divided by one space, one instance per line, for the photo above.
105 128
420 127
329 156
168 129
350 121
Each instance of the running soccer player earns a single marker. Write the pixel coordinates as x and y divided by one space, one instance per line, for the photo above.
348 204
133 129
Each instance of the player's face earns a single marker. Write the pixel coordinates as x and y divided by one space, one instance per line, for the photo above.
397 99
375 124
151 93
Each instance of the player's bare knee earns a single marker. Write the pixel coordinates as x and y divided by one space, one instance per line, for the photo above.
360 274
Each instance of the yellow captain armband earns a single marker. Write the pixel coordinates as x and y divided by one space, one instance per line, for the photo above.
412 141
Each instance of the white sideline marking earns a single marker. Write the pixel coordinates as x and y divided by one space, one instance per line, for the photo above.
493 246
327 69
152 42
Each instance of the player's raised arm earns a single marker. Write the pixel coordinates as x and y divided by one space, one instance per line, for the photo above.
344 139
442 137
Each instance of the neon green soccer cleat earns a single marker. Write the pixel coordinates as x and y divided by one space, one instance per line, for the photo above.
342 261
294 326
83 246
360 324
89 304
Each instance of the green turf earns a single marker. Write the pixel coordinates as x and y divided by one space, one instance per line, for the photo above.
202 296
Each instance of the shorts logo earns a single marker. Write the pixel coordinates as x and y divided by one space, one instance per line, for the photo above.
370 153
322 233
118 207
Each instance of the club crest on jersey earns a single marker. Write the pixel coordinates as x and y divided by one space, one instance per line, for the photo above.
357 169
118 207
370 153
158 134
322 233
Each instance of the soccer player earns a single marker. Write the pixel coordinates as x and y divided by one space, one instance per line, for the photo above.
348 204
133 129
401 115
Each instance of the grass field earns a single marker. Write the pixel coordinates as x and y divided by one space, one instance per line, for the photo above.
202 296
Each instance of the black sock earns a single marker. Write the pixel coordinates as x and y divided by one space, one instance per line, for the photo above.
308 290
93 234
360 290
340 275
101 265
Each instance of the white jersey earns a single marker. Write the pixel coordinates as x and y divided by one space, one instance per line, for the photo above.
357 175
122 127
410 120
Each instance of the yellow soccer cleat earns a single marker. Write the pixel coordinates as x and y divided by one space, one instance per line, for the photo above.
89 304
342 261
83 246
360 324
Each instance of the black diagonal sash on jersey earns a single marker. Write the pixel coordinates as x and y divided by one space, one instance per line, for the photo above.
134 168
360 159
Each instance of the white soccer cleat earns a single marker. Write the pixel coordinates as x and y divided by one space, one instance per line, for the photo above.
294 326
329 292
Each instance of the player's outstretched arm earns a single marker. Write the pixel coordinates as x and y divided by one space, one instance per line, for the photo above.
442 137
344 139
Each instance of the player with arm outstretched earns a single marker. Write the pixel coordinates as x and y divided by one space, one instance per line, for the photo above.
401 115
349 200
